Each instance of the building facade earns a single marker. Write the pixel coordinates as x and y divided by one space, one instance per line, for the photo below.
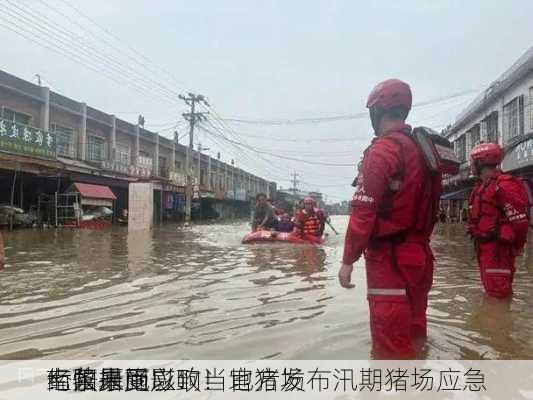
501 114
49 141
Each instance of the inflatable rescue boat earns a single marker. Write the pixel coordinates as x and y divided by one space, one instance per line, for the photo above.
273 236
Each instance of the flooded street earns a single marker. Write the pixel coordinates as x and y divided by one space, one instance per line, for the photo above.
197 293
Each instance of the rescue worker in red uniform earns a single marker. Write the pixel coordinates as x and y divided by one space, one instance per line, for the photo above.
394 209
498 220
311 220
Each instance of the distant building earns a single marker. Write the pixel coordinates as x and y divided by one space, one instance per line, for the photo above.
501 114
51 141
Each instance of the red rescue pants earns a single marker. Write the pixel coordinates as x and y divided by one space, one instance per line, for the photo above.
496 267
399 278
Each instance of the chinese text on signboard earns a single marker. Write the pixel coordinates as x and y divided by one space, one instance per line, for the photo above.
23 139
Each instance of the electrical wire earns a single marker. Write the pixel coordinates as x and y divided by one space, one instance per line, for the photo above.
146 60
345 117
76 46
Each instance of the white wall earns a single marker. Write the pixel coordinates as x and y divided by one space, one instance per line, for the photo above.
141 206
521 88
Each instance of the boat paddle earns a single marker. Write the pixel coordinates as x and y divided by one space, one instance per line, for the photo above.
331 226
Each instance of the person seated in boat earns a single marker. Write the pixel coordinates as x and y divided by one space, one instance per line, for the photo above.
311 220
278 211
264 217
285 224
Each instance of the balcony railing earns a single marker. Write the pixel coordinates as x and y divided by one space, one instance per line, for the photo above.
25 140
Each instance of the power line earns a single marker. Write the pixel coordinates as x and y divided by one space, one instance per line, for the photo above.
69 53
344 117
146 60
277 155
77 45
246 154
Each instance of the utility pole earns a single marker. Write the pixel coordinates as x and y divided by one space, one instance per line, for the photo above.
193 117
294 183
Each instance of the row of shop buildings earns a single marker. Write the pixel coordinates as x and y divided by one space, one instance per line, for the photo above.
49 142
502 114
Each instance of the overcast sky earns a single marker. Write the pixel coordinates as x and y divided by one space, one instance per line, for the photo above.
269 60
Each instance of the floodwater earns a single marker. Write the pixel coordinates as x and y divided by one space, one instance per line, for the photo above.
197 293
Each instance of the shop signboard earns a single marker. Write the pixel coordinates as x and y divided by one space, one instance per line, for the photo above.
177 178
139 171
25 140
519 156
115 166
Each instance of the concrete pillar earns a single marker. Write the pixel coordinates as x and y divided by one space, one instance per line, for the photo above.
82 148
156 155
209 173
225 188
113 152
173 155
45 108
137 144
141 206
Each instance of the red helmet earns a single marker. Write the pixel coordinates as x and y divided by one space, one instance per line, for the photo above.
309 200
487 154
390 94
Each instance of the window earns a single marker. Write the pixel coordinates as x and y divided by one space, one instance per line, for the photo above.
123 154
491 127
530 107
475 135
513 118
64 140
202 177
162 166
521 115
177 165
460 148
14 116
95 148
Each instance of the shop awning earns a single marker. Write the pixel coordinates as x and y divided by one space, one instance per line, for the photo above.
462 194
77 165
29 164
95 195
520 156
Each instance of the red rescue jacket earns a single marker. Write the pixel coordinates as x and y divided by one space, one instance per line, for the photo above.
396 194
311 224
498 210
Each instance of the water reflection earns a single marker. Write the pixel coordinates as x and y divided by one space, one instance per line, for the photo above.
139 251
196 292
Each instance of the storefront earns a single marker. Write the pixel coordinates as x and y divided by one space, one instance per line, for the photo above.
518 159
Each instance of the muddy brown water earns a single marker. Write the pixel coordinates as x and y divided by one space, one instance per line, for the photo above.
197 293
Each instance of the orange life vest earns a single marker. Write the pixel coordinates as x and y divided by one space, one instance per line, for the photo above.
311 225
